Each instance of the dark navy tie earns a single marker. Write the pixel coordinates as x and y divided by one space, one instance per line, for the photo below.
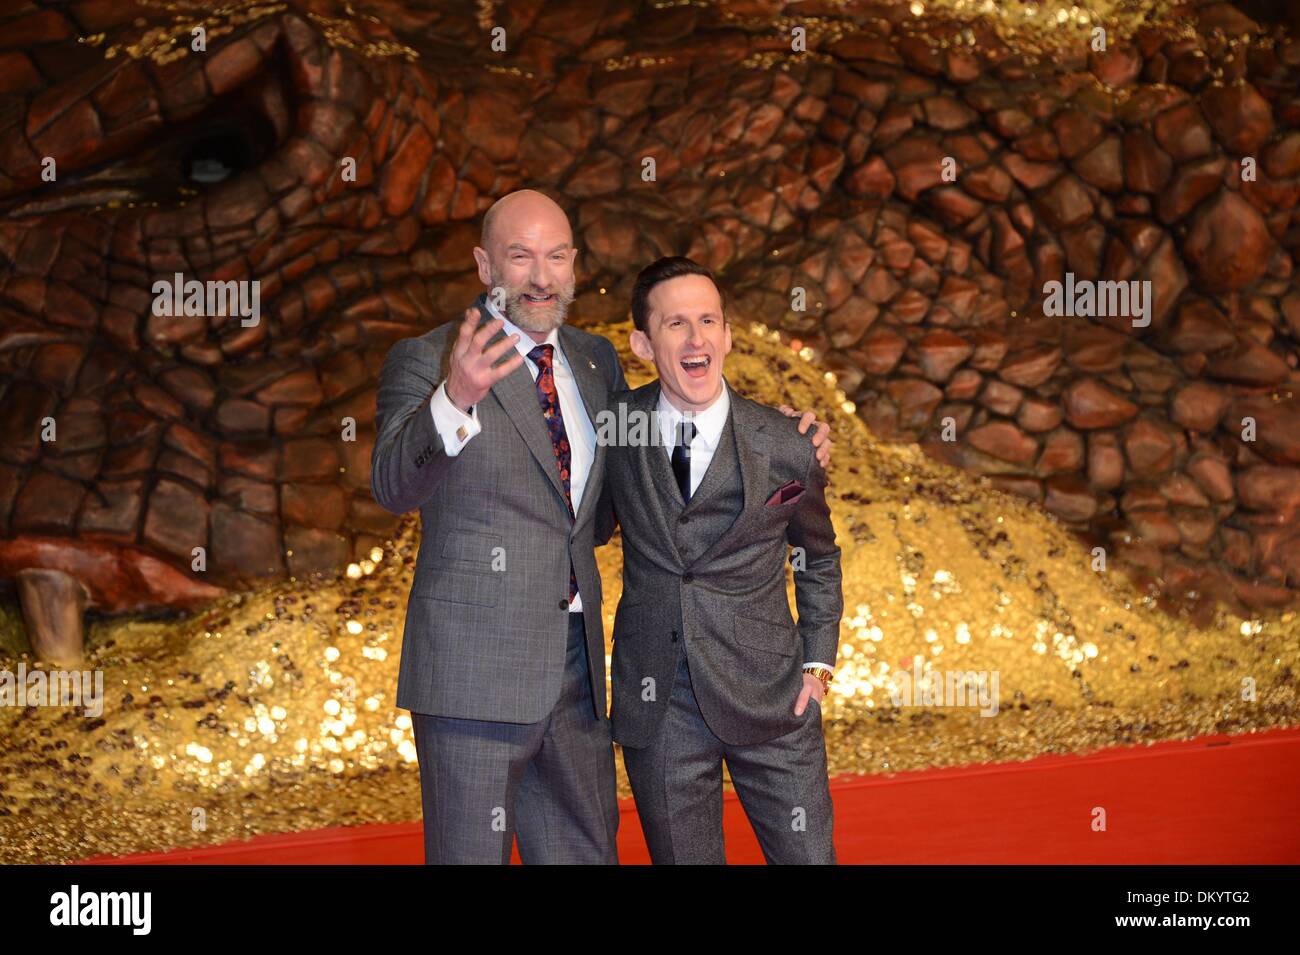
682 458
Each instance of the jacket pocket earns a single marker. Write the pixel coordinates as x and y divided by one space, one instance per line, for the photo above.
471 547
465 587
765 635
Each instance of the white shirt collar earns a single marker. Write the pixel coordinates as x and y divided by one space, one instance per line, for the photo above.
526 343
708 423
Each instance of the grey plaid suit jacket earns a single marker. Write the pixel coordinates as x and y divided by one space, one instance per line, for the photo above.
711 574
480 643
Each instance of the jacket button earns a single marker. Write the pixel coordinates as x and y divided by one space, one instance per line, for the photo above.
687 577
564 605
684 519
674 636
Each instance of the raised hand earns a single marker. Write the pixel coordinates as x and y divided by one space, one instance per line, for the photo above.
473 368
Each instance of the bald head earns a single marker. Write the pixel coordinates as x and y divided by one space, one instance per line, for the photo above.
527 206
527 252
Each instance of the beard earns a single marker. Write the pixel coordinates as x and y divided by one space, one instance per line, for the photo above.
531 318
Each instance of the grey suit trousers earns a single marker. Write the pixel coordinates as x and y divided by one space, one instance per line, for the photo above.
550 784
782 785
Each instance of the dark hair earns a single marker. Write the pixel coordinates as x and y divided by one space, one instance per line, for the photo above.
669 267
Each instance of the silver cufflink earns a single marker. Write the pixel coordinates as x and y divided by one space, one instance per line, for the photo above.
591 364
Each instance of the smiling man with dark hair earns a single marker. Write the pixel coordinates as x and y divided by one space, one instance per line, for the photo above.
708 664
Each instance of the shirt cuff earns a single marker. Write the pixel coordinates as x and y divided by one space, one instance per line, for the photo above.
824 666
454 426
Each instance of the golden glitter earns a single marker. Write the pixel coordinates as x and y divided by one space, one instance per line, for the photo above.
1037 30
164 44
511 71
615 64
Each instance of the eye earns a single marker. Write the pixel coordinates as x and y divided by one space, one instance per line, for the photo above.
219 156
225 137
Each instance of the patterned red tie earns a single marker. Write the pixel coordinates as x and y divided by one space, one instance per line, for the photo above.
549 399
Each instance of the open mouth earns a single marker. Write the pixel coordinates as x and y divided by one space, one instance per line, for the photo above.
696 366
533 299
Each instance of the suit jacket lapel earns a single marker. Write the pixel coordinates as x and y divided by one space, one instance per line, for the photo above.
654 456
517 394
751 445
655 468
590 384
715 475
748 429
742 424
595 397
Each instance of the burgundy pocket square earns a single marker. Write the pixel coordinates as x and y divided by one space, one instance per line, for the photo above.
787 492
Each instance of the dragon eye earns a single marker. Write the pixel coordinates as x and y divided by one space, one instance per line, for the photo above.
224 153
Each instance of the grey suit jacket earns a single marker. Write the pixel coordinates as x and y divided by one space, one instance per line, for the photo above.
483 643
712 574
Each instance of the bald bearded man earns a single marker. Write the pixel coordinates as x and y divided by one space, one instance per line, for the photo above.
488 428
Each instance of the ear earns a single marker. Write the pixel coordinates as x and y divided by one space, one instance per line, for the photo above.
640 343
484 266
726 338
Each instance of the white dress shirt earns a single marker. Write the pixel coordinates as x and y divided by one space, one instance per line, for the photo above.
708 432
448 419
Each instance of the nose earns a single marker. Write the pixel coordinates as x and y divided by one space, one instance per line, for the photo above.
540 274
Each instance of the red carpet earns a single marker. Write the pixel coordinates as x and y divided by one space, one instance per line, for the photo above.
1214 800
